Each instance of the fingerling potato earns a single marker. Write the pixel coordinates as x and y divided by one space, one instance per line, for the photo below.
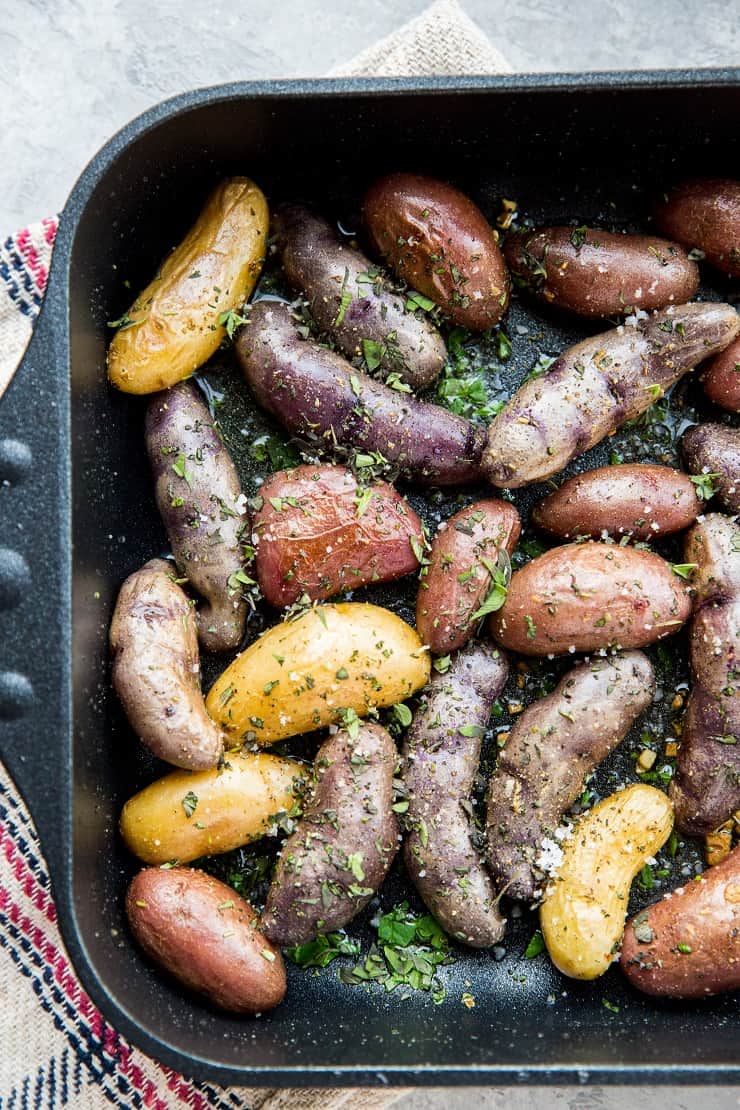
184 816
201 932
597 385
330 867
705 215
436 239
354 302
307 673
721 378
175 324
201 503
585 905
641 500
460 573
585 597
319 532
599 273
688 945
156 669
714 450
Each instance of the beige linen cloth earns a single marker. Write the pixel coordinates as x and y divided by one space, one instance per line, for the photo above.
55 1050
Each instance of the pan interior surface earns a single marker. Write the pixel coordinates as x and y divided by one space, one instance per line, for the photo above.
584 155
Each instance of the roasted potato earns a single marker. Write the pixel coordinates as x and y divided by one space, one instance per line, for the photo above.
184 816
207 937
705 216
320 397
641 500
354 302
553 746
585 597
461 572
177 322
319 532
339 854
721 378
436 239
706 788
307 673
585 905
597 273
688 945
441 756
156 669
713 450
596 386
200 500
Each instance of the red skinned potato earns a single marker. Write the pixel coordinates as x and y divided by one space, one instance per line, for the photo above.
460 572
585 597
200 500
553 746
207 937
319 533
721 378
642 500
319 396
714 450
597 273
156 669
343 845
706 788
352 301
436 239
688 945
705 215
441 755
596 386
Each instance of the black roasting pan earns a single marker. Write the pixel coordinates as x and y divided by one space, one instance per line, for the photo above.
76 506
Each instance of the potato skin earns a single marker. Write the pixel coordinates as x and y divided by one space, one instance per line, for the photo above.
706 787
325 268
174 325
345 842
156 669
319 396
721 378
457 580
206 936
301 674
641 500
589 596
715 449
704 917
597 273
185 816
200 500
436 239
556 742
705 214
585 905
440 764
317 534
598 384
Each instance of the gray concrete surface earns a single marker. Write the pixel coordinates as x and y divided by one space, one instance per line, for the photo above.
73 71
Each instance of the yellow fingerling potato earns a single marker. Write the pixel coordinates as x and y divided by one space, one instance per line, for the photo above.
173 326
188 814
302 674
583 914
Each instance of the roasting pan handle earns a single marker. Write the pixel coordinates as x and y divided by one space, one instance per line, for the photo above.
35 729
